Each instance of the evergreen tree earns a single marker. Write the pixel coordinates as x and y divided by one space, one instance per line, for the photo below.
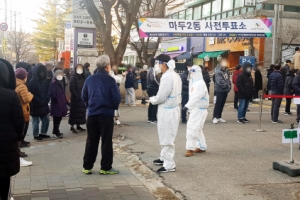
49 30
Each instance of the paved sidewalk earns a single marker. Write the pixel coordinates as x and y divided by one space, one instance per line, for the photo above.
56 174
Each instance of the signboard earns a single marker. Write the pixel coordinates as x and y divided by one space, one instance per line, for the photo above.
247 59
3 26
85 40
247 28
68 36
211 40
4 46
80 16
288 135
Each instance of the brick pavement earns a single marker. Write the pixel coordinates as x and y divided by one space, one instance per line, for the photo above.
56 174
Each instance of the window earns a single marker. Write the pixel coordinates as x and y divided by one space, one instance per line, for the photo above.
292 8
227 5
206 10
197 12
216 7
224 15
218 16
269 6
243 10
175 16
239 3
229 13
213 17
250 9
189 14
236 12
259 6
181 15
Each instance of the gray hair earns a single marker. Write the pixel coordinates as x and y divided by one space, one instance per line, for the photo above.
102 62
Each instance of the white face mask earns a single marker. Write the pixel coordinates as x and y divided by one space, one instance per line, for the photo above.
248 70
79 71
157 68
59 78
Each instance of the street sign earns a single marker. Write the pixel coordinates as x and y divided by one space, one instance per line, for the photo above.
80 16
247 59
3 26
4 46
288 135
85 40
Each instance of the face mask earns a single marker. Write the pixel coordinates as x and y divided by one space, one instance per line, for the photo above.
145 67
248 70
59 78
157 68
79 71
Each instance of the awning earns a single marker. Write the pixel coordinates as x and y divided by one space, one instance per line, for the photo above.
174 55
184 56
213 54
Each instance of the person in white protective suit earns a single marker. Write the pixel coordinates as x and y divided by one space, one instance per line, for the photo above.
168 100
118 81
197 106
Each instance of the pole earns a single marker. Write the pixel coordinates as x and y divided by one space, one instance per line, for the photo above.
275 34
260 115
291 159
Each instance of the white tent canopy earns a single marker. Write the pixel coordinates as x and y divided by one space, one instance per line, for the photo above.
281 2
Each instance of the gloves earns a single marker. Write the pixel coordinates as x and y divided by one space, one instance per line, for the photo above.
184 109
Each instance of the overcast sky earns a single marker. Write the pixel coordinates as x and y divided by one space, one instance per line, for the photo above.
26 11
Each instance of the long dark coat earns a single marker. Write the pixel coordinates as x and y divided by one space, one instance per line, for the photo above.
11 122
58 99
144 80
258 80
78 108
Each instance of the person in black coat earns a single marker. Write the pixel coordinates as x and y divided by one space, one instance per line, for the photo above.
11 128
245 91
184 93
258 82
78 109
39 108
144 83
206 77
152 89
289 90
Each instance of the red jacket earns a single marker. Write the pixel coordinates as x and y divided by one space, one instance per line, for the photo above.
234 79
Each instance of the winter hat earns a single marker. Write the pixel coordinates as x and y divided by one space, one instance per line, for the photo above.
21 73
11 75
58 72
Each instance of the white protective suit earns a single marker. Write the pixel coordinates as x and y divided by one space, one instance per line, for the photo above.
168 99
197 105
118 81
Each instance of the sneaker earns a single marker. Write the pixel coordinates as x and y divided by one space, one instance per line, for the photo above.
222 120
38 138
256 100
149 121
276 122
44 136
189 153
241 121
24 163
133 105
215 120
80 129
118 122
164 170
24 144
22 154
246 120
289 113
197 150
285 113
72 130
154 122
86 171
112 171
158 162
58 135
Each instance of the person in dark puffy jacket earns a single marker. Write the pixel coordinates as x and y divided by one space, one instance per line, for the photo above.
152 89
39 108
296 87
144 83
78 109
58 102
244 84
234 79
184 93
129 86
276 86
289 90
258 82
87 67
222 88
11 128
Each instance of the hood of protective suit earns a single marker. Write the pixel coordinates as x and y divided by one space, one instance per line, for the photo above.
39 72
171 64
7 75
196 73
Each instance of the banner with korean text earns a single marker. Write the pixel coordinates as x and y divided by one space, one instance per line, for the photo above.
250 28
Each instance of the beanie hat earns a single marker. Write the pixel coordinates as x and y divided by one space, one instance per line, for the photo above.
21 73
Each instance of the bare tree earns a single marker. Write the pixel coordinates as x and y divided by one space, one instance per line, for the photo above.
146 48
125 12
19 43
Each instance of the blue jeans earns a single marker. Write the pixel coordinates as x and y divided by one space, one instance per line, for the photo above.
36 123
243 107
